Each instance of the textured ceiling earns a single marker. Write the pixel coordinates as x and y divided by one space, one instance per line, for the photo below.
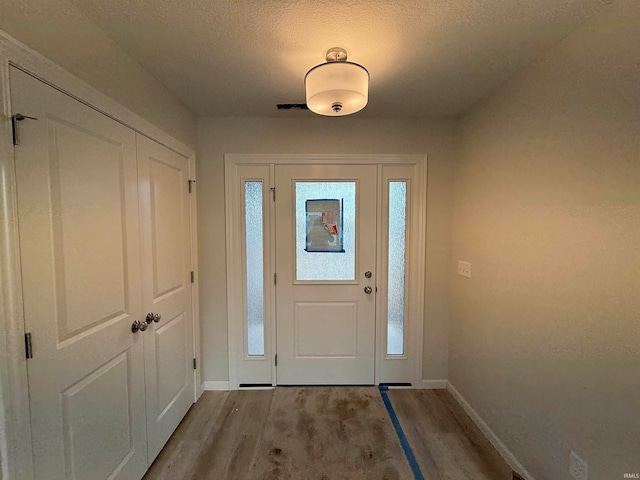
427 58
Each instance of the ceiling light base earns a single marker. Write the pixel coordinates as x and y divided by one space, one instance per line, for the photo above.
336 54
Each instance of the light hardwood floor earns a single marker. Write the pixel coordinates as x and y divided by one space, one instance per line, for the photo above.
445 441
221 435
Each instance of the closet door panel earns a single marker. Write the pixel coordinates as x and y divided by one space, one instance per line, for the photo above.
80 257
166 260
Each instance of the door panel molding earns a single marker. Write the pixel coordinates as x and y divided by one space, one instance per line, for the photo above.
346 347
81 456
262 166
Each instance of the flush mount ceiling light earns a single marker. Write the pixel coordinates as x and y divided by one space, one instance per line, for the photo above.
338 87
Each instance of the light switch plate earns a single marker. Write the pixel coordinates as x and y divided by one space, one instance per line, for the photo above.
464 269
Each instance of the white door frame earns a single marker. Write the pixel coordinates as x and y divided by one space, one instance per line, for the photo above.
15 432
236 171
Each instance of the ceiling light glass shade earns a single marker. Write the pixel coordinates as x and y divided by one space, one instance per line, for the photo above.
337 88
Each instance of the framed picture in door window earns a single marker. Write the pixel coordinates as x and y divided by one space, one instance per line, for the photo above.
324 226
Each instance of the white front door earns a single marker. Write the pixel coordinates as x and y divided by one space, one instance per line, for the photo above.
163 177
326 241
79 245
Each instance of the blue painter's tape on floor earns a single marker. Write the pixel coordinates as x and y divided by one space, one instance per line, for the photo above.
415 468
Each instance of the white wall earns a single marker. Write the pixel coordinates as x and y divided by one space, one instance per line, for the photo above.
63 34
311 134
545 336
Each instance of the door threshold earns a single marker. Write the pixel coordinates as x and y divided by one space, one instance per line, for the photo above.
327 385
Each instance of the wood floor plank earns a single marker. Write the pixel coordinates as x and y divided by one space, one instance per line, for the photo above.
177 459
481 445
416 433
223 437
241 459
244 413
330 433
446 442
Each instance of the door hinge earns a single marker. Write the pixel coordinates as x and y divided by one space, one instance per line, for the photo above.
18 117
193 277
191 182
27 345
276 359
273 193
275 278
194 363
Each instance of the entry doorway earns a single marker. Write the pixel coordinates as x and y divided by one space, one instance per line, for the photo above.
325 269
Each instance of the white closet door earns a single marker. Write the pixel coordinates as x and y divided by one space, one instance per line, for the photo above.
166 259
79 246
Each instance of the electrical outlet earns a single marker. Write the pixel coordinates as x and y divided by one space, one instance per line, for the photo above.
578 468
464 269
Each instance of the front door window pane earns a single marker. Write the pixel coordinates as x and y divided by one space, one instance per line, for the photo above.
254 266
396 267
325 230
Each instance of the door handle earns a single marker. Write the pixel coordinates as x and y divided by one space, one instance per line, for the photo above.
368 290
138 325
153 317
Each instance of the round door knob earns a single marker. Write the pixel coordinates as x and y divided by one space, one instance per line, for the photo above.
153 317
157 317
367 274
368 290
138 325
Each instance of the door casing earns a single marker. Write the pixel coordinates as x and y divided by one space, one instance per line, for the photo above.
240 167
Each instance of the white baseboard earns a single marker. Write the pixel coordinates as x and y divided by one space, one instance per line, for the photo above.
434 384
491 436
209 386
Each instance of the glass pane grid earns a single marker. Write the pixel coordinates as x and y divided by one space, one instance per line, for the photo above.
396 267
254 265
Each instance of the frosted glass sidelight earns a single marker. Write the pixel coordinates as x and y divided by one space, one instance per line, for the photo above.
396 267
326 265
254 267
